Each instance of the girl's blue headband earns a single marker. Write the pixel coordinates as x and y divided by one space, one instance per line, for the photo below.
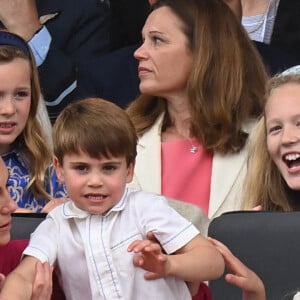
11 39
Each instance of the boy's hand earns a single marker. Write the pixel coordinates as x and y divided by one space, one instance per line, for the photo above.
149 257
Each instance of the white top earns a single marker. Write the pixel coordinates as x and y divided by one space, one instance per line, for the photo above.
260 27
91 250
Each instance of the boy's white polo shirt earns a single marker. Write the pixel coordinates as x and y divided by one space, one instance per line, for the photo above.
90 251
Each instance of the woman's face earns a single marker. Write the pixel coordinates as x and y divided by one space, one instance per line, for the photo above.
15 100
7 206
165 60
283 131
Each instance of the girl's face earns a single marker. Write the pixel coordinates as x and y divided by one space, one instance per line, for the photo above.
15 100
283 131
165 61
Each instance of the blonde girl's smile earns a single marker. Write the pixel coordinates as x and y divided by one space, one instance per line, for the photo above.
283 131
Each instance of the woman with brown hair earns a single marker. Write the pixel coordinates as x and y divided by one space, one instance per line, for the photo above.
202 87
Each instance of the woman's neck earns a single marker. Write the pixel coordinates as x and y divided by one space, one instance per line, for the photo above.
179 115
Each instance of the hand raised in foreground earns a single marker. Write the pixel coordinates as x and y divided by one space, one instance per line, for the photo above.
42 286
240 275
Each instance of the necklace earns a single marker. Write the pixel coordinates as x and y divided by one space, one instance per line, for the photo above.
193 148
171 133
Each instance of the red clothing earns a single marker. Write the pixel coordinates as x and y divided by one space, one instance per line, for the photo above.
203 293
10 256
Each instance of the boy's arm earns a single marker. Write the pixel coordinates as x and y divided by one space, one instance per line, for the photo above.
197 261
22 277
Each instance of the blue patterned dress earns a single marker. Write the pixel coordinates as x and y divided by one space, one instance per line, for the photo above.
19 178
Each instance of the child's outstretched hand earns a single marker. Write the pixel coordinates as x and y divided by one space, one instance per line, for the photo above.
150 257
240 275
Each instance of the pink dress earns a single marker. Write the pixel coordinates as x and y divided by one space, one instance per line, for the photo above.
185 175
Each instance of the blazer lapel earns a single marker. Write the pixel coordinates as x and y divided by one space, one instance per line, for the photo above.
148 162
225 172
228 172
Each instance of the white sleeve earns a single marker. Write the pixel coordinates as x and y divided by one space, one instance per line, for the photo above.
43 241
171 229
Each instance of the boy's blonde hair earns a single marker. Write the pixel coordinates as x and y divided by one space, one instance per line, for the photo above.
96 127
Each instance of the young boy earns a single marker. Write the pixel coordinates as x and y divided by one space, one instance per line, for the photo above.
98 240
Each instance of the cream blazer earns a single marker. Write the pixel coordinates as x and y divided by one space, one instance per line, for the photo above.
228 171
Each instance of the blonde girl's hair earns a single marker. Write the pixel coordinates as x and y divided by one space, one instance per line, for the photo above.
32 141
227 81
264 184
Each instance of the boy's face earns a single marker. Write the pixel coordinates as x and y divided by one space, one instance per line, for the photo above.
94 184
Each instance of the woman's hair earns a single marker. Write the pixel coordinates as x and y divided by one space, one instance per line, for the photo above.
96 127
264 184
227 81
32 141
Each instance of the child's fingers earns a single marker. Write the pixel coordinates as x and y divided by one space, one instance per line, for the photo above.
236 280
137 245
144 246
152 276
151 237
257 208
138 260
232 262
